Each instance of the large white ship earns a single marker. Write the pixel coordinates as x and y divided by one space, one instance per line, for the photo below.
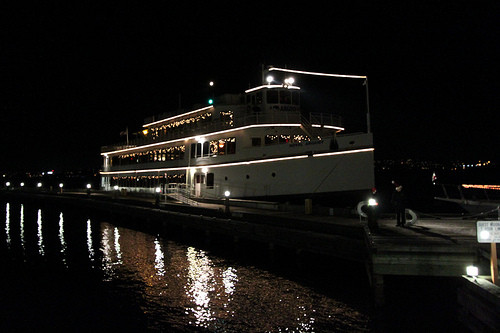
258 144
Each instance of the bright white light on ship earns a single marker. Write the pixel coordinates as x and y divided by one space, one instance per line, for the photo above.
61 185
204 170
158 190
115 187
289 81
211 83
472 271
269 79
89 186
485 234
227 194
22 184
39 185
372 202
7 184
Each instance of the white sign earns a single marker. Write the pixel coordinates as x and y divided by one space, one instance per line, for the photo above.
488 231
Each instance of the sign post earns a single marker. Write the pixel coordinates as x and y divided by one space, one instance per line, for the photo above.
489 232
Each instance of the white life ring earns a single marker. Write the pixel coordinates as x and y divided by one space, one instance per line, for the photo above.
361 204
413 215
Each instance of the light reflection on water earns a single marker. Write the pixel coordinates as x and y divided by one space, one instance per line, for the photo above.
90 246
61 238
7 224
41 247
181 287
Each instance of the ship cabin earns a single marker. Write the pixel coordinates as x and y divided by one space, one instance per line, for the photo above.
182 149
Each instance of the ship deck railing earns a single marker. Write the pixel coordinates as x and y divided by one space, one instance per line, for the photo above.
247 119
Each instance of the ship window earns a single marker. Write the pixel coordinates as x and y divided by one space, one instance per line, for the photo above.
256 142
198 149
193 150
231 146
200 179
210 180
295 98
284 138
272 96
271 140
214 147
285 97
258 98
222 147
206 147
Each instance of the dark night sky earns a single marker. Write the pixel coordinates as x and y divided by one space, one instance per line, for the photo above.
75 76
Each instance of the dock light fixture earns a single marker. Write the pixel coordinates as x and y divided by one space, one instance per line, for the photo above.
484 235
472 271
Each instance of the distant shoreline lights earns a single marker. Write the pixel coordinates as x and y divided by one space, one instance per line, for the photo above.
484 187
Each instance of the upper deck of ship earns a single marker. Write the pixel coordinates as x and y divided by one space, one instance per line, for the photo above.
260 106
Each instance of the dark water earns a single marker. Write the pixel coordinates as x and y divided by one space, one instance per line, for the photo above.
70 270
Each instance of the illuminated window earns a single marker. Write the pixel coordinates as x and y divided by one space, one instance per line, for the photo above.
271 140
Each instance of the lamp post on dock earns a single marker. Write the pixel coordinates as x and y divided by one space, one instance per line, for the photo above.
226 202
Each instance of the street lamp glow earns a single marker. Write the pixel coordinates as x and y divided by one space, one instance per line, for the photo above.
484 234
472 271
